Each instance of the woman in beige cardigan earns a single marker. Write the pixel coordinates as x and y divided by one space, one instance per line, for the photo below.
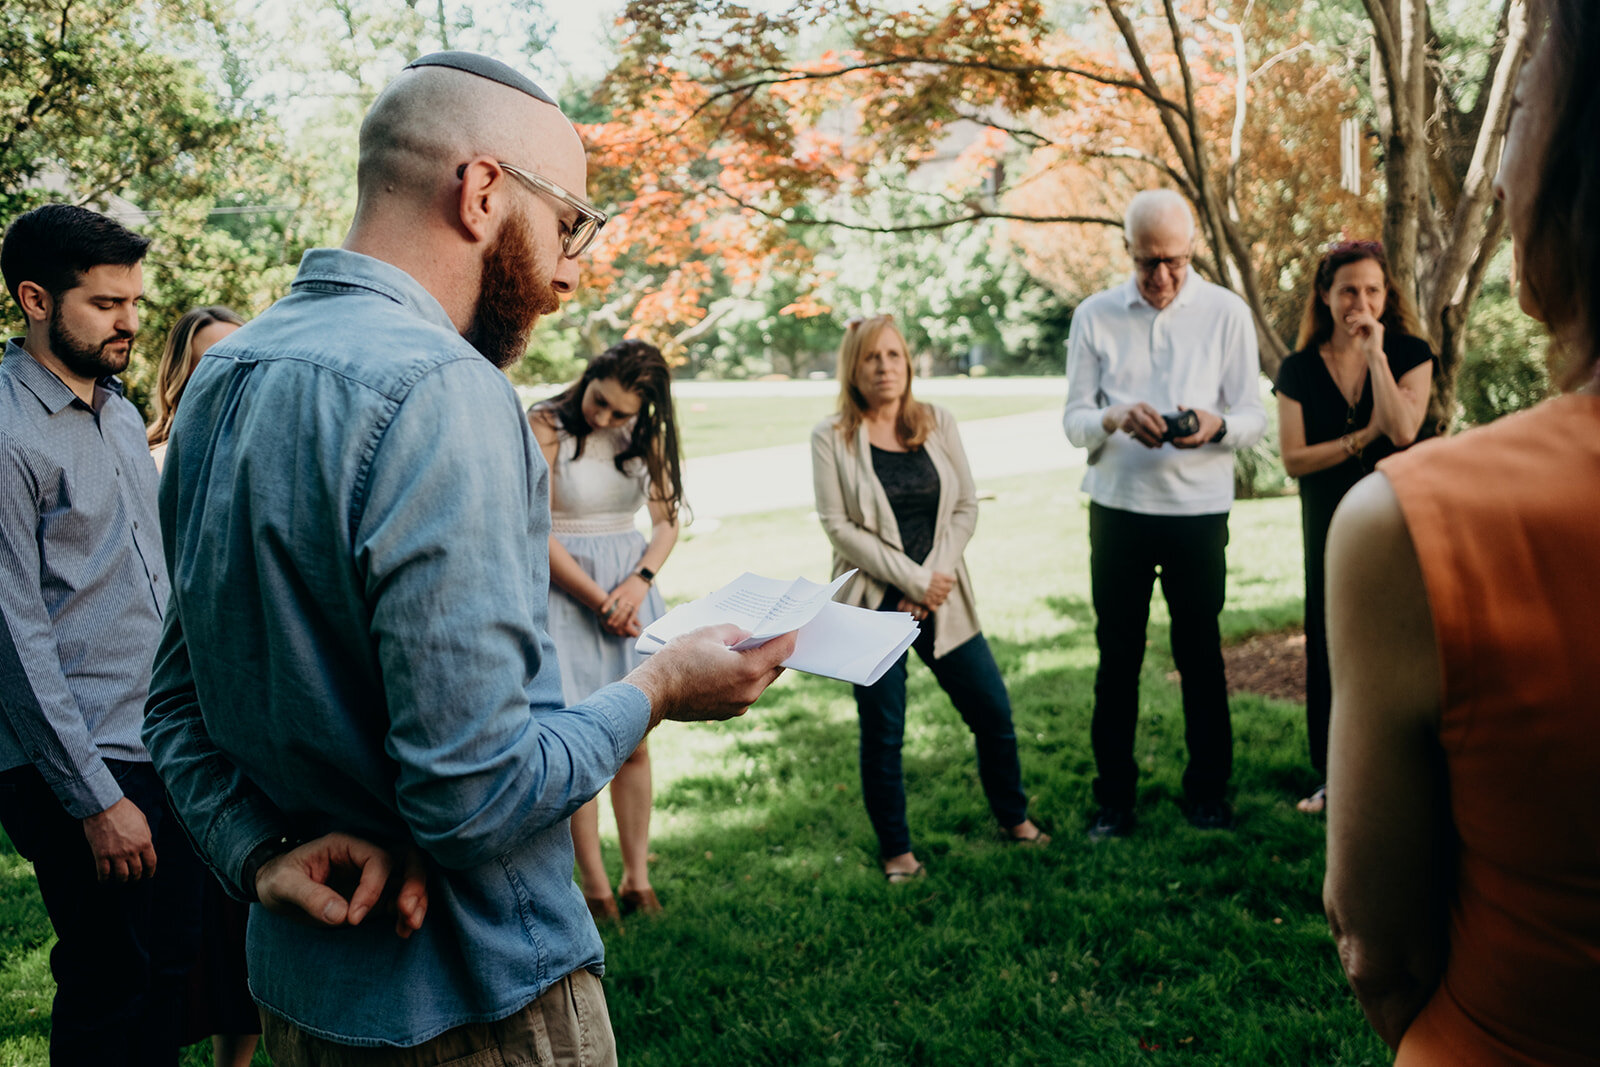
897 501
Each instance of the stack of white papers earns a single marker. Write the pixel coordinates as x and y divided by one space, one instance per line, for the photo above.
835 640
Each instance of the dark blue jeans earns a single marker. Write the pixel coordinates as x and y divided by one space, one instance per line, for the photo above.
1126 551
971 679
123 951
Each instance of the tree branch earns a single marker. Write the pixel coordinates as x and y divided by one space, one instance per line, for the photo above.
1477 187
1240 102
1178 177
1022 135
1385 34
974 213
1169 120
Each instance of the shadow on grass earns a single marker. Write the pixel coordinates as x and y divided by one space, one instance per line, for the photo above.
783 944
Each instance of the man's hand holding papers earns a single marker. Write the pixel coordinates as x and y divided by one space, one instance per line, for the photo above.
709 674
833 640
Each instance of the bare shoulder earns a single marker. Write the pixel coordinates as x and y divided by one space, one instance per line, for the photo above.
1370 515
543 422
1380 627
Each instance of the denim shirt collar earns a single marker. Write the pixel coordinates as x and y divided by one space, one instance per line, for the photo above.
339 266
53 393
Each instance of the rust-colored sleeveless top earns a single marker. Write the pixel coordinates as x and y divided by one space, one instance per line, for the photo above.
1506 522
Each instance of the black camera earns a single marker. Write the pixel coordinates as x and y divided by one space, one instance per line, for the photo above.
1181 424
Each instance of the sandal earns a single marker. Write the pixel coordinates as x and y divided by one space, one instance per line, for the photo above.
900 877
1317 802
641 900
1037 839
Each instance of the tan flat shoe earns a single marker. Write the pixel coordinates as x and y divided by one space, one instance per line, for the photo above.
604 909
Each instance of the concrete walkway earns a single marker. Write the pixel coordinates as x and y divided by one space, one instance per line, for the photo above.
768 479
771 479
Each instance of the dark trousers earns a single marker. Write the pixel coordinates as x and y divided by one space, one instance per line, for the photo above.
1319 681
971 679
123 951
1126 553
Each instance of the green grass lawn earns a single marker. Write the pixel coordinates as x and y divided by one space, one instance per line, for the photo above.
781 943
711 426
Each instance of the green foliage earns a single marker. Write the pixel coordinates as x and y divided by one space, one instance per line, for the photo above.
960 295
1503 369
1258 470
128 106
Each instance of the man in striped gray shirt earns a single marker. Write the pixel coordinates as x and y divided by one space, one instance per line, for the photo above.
83 586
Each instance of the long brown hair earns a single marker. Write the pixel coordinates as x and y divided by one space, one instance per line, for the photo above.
1560 256
1316 325
638 367
915 421
178 363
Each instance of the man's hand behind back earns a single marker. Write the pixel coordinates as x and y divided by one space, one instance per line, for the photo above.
699 677
338 879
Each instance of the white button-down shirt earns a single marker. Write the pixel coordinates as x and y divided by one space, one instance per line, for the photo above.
1198 352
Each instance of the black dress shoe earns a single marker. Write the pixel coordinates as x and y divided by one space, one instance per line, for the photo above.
1210 815
1111 822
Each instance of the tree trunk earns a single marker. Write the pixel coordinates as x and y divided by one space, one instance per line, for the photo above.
1438 250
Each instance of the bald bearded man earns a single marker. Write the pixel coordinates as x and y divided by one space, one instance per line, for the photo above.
357 520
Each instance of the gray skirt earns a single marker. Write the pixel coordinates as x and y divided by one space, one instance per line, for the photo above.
590 657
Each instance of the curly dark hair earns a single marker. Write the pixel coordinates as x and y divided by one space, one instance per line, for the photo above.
638 367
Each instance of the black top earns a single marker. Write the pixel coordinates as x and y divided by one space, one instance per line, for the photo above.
911 482
1304 378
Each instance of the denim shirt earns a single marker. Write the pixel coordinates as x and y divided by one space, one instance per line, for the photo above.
82 580
356 519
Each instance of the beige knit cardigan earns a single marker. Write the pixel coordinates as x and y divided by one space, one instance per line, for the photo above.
856 514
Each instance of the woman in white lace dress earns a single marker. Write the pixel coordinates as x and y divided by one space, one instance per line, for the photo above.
612 446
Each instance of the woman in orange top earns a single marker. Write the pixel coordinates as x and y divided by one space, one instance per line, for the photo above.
1463 881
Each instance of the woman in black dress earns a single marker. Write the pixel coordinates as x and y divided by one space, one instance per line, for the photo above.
1355 392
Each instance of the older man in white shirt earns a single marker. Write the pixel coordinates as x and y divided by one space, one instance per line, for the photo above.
1160 483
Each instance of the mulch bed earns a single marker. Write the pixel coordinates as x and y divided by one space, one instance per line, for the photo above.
1273 665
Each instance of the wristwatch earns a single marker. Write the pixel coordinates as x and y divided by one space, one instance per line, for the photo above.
1222 431
647 574
260 856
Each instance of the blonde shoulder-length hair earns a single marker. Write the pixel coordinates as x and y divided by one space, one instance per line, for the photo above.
177 363
915 421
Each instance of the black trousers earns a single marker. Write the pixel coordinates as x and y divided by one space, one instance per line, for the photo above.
1127 551
123 951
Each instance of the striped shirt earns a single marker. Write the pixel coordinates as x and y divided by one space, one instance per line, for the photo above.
83 582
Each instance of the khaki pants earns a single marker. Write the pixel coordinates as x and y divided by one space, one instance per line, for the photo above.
567 1026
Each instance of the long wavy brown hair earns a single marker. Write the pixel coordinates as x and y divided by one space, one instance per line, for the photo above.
178 363
638 367
1316 325
915 421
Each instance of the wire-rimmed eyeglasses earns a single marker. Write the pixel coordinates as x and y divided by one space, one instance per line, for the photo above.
576 237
